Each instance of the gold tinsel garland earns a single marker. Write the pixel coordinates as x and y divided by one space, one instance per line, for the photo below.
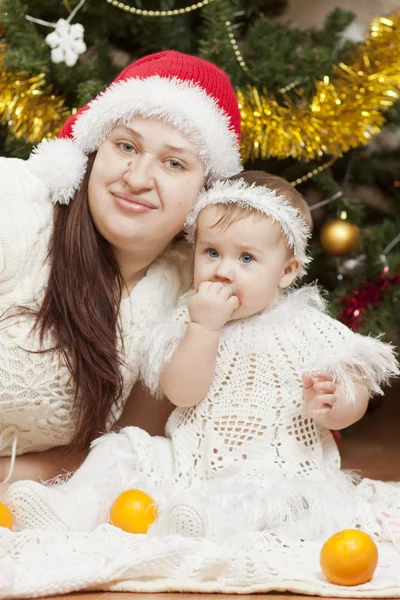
343 114
28 106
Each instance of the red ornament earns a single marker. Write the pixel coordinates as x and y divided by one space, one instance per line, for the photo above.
368 294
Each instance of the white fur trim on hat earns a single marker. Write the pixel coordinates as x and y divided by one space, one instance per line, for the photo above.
61 165
263 200
183 104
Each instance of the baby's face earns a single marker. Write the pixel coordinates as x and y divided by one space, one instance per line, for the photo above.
250 255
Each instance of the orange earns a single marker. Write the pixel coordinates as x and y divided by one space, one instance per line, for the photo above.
133 511
349 557
6 519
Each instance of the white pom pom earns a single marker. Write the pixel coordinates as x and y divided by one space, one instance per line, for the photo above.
61 165
70 57
52 39
57 55
77 31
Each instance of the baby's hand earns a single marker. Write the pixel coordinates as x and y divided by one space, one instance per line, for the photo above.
319 395
212 305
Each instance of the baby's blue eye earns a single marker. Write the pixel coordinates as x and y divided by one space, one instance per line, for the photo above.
212 253
246 258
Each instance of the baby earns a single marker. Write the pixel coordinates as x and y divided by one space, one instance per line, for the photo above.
260 376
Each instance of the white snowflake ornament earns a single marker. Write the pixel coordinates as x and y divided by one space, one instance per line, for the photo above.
66 42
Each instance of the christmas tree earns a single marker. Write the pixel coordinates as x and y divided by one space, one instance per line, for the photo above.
318 109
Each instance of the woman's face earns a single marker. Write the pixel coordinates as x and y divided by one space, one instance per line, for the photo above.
145 179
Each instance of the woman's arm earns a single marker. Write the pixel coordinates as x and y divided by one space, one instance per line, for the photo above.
143 410
42 466
39 466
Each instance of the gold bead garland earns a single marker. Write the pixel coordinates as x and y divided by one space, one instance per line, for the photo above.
289 87
235 46
159 13
314 172
181 11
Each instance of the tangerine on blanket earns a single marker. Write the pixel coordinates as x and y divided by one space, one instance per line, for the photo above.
349 557
133 511
6 519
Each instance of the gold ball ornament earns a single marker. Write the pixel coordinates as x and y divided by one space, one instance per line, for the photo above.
339 237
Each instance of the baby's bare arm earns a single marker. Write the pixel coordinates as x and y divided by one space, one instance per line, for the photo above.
186 378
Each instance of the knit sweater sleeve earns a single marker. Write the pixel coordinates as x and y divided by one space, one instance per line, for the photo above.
331 346
25 211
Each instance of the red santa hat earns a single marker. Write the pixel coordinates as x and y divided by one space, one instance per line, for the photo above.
192 94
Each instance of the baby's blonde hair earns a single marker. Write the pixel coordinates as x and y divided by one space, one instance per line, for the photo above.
233 213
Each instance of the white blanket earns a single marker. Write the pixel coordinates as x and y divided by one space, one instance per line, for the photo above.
38 563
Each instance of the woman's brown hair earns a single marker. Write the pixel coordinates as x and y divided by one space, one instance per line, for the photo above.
80 311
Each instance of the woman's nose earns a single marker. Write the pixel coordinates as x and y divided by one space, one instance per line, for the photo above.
139 173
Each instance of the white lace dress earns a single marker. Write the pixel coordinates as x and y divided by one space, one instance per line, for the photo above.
36 391
249 447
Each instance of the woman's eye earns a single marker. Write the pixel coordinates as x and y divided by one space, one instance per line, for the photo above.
127 147
246 258
174 164
212 253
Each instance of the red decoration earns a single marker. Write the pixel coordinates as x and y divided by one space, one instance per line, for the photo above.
368 294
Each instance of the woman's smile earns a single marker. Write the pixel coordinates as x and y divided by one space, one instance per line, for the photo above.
132 203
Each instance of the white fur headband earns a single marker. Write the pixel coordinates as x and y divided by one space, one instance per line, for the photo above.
263 200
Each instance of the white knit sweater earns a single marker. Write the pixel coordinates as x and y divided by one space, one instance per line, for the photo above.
253 421
36 393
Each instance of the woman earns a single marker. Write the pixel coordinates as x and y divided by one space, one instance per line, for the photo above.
81 280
